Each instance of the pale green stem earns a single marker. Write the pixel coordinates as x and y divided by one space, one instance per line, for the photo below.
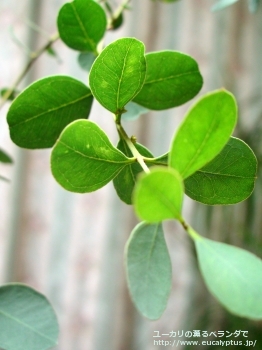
33 57
192 233
136 154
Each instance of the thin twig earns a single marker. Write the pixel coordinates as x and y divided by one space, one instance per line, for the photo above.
33 57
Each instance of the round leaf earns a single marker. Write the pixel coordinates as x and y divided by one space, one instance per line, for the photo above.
158 195
118 73
172 78
148 269
228 179
84 160
233 276
39 114
27 320
204 132
82 24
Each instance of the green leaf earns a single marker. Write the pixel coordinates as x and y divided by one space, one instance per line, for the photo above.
233 276
39 114
204 132
118 73
228 179
85 60
27 320
125 181
221 4
4 157
133 111
84 160
158 195
148 269
82 24
172 78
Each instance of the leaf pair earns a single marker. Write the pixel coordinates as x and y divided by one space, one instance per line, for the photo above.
159 80
231 274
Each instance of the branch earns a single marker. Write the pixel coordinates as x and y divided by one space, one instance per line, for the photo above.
131 146
33 57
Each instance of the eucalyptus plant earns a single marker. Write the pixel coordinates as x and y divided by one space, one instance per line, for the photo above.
205 161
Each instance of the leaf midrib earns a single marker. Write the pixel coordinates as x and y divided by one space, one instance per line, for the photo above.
170 77
88 39
26 326
52 110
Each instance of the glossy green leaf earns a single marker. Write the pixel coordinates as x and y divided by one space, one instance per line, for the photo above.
82 24
4 157
233 276
27 320
118 73
172 78
133 111
84 160
158 195
125 181
228 179
221 4
148 269
39 114
85 60
204 132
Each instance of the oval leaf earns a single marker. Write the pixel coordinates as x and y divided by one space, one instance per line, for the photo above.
228 179
172 78
82 24
5 158
84 160
27 320
39 114
204 132
125 181
158 195
148 269
233 276
118 73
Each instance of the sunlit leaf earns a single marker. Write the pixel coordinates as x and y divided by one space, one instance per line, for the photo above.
232 275
81 24
158 195
148 269
228 179
84 160
118 73
39 114
172 78
204 132
27 320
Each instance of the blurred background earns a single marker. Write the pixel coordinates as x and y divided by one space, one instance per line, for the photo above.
70 246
